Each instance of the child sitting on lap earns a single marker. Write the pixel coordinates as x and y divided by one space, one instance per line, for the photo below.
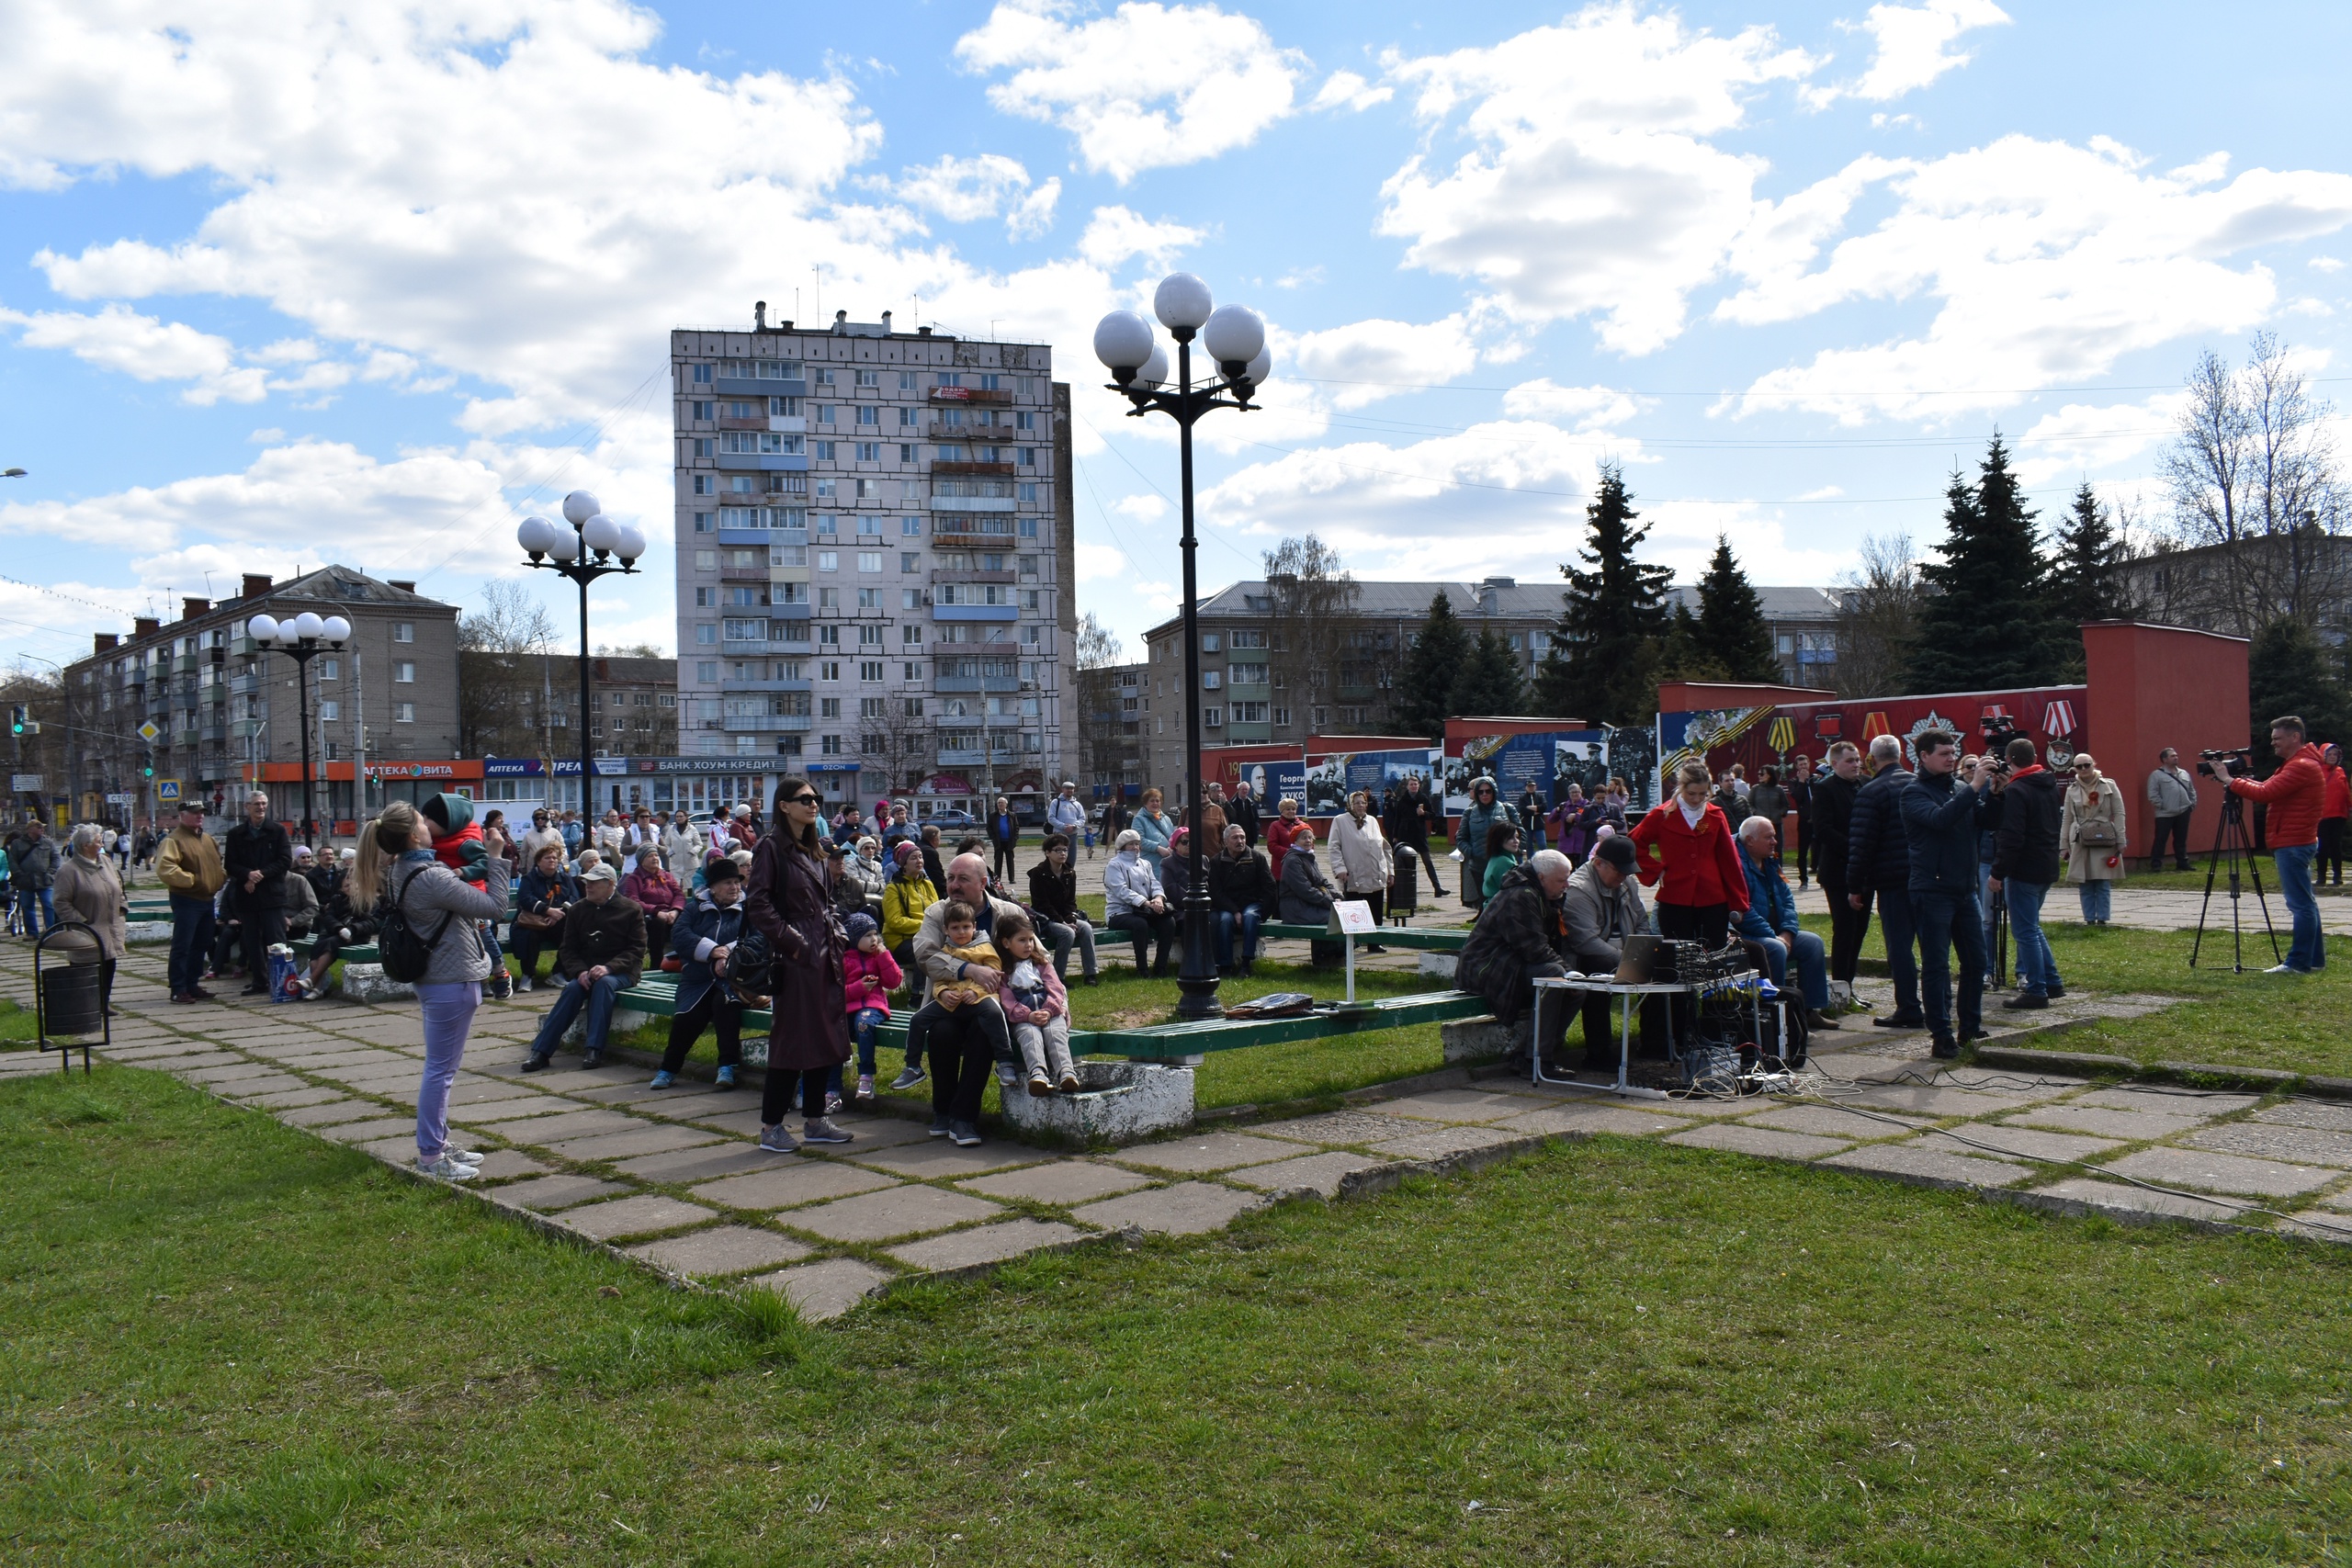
1037 1007
963 944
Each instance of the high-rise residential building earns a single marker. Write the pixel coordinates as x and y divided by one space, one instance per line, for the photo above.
874 558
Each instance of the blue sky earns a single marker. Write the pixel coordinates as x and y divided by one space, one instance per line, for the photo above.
299 282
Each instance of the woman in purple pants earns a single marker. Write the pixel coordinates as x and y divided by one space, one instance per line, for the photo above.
396 855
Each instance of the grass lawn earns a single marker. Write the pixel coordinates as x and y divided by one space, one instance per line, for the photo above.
2293 1022
17 1029
231 1343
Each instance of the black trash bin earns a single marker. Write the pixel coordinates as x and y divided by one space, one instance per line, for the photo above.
69 1000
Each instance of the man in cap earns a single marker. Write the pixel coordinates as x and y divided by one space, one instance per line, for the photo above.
189 865
604 946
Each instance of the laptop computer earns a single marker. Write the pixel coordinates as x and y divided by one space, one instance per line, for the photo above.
1636 959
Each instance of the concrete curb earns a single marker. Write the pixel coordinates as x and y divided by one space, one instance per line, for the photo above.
2256 1080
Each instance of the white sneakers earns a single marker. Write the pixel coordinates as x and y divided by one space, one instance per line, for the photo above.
448 1166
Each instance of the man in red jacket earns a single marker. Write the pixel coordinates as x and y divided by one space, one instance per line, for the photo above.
2297 795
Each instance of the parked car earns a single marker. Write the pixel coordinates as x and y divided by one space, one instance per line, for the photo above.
951 819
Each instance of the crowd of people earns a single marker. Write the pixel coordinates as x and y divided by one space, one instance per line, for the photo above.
1941 850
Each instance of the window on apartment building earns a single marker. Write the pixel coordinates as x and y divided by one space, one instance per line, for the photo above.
870 599
330 710
700 375
912 707
829 561
910 636
704 522
824 454
403 631
829 669
870 670
403 713
706 560
830 707
829 637
705 670
706 597
910 561
1212 716
910 526
831 746
327 668
868 452
706 632
403 671
869 560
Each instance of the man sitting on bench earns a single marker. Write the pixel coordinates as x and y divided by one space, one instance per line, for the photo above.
1518 937
602 952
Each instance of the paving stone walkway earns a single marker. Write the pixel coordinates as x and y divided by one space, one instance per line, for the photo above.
673 1178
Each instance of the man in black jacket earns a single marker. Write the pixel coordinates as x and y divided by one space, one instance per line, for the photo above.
1241 890
1521 935
2025 865
1241 811
602 954
1414 818
1833 812
1942 814
257 853
1878 865
1799 785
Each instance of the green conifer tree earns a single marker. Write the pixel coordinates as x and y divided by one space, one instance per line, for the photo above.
1490 683
2287 672
1602 664
1986 622
1433 665
2088 581
1732 632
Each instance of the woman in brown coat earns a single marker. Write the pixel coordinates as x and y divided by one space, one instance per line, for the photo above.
789 905
89 891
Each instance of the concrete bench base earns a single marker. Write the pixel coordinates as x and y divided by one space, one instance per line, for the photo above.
144 933
367 982
1476 1039
1439 965
1120 1102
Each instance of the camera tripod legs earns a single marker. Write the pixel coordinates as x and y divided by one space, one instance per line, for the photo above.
2230 845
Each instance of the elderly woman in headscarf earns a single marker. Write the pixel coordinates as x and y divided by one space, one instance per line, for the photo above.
907 893
865 869
88 890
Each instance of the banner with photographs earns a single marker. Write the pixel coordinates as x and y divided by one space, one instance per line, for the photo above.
1548 759
1332 776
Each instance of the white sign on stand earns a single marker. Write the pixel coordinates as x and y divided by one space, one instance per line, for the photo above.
1351 918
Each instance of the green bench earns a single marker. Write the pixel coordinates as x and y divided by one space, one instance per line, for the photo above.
1387 936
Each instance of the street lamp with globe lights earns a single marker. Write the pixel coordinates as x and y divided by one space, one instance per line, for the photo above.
301 639
593 546
1235 339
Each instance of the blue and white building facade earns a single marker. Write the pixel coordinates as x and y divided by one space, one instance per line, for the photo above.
874 559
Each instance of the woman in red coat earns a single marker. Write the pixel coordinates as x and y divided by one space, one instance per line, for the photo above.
1686 842
789 905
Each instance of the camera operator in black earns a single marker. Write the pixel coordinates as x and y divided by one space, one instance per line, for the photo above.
2025 866
1941 816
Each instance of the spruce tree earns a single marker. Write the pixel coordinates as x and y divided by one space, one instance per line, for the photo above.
1683 655
1986 622
1432 664
1732 632
1602 664
2087 581
2287 672
1490 683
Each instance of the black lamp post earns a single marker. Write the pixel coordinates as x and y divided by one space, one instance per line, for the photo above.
302 639
1236 341
593 547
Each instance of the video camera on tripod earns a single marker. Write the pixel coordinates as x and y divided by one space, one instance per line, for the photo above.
1997 729
2239 758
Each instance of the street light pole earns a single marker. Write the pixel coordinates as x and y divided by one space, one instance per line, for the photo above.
1236 341
302 639
583 552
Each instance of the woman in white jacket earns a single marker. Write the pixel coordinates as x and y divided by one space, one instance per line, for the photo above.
1361 860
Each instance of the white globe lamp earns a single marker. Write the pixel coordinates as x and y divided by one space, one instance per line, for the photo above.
261 628
1233 337
1183 303
338 631
632 542
601 534
1122 342
579 506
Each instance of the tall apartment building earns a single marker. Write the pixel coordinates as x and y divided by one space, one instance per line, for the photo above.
874 558
226 713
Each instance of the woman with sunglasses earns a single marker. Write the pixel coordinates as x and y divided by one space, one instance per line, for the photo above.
2093 829
789 904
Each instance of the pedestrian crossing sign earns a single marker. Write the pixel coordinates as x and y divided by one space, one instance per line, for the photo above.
167 789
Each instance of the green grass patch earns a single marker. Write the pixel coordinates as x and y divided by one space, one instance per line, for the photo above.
2295 1024
17 1026
231 1343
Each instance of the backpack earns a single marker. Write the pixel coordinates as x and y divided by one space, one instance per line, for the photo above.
404 954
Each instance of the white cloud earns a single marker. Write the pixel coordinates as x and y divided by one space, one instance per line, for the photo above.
282 508
2326 263
1147 87
1118 234
965 190
1912 48
121 340
1364 362
2047 262
1586 408
1591 187
1101 563
1346 90
1142 508
2084 437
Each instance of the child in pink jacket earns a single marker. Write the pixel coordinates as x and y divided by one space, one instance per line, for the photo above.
871 975
1037 1007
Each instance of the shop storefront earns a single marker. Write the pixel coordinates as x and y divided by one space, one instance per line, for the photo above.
624 784
334 802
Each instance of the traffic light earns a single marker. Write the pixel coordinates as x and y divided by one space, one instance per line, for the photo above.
16 716
146 764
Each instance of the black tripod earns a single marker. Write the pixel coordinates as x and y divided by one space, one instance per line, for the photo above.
1996 955
2229 845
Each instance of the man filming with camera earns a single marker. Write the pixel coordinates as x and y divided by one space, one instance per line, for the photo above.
2295 795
